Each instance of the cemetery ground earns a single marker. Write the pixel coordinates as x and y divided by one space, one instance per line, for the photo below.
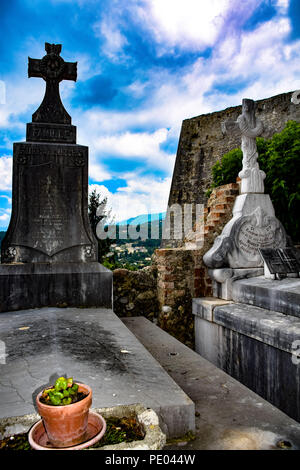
228 416
216 368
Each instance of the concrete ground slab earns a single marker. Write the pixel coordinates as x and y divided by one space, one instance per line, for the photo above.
92 346
229 416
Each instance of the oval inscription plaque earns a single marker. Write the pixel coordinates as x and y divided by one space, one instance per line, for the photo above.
250 238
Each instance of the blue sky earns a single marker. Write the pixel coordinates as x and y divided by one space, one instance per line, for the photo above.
143 67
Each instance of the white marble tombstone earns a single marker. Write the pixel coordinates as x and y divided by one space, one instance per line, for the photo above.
253 225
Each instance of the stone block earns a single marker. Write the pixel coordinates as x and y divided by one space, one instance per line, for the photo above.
25 286
256 346
281 296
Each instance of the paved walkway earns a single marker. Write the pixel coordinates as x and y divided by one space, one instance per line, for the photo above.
228 415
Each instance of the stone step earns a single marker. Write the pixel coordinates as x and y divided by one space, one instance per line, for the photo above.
229 415
270 327
257 346
278 295
218 211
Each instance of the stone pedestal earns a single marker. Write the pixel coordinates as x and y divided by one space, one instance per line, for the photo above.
32 285
235 253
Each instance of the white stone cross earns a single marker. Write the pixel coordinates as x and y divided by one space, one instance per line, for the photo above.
249 128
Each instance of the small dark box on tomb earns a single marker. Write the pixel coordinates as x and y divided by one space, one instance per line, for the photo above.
281 261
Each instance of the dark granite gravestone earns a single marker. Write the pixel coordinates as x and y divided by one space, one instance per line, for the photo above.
49 254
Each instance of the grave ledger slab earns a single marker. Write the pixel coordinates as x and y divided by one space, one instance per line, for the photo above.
49 255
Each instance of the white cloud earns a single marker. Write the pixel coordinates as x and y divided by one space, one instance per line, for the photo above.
130 144
114 40
191 24
98 172
143 195
282 6
5 216
185 22
6 173
137 146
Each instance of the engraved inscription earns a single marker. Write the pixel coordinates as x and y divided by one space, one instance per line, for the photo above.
50 210
47 133
251 238
41 155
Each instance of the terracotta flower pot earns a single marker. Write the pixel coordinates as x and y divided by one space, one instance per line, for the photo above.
66 425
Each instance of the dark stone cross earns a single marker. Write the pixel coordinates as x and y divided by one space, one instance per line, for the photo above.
53 69
49 255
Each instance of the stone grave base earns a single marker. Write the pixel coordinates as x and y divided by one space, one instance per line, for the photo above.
257 346
93 346
282 296
34 285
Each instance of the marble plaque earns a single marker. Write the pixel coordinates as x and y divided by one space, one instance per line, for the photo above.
251 237
281 261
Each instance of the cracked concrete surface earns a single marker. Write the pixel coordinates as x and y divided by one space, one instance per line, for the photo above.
229 416
93 346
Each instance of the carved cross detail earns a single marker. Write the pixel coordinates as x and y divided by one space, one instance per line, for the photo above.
248 127
53 69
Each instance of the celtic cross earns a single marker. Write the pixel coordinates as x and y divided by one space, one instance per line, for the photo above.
53 69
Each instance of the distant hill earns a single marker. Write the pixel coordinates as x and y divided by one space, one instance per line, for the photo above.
143 218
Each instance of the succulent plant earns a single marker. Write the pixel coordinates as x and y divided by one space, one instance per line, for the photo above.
64 392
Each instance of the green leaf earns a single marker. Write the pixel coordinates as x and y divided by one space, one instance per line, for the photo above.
61 383
67 401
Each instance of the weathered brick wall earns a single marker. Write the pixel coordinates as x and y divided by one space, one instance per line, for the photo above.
202 143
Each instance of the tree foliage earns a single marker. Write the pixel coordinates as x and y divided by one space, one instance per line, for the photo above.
99 213
279 158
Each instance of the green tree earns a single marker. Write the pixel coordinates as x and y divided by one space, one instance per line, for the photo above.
281 163
99 213
279 158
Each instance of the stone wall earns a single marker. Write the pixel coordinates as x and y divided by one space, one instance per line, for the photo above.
181 273
202 143
135 292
